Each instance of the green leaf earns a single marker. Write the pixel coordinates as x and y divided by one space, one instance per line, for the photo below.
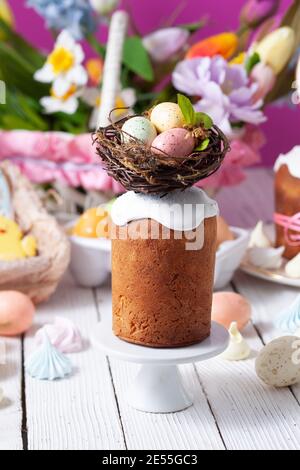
136 58
203 146
194 27
187 109
253 60
96 45
204 119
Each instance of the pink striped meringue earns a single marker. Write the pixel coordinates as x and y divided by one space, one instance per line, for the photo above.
62 334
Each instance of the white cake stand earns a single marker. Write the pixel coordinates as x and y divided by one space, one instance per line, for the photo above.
158 387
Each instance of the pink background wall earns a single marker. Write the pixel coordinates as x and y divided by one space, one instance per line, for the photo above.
282 128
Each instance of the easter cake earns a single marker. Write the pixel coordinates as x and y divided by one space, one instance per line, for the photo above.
164 230
287 202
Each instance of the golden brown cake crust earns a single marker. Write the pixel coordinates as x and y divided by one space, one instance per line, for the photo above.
287 202
162 293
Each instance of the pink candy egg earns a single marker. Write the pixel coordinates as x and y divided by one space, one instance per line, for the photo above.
16 313
174 143
228 307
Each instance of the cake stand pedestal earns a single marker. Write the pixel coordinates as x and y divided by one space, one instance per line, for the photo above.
158 387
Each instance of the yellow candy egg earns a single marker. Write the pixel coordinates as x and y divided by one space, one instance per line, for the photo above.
29 246
167 116
94 223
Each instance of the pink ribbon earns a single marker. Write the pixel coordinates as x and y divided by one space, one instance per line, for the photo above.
289 223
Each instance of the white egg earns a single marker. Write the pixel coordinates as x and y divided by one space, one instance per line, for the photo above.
167 116
278 364
139 128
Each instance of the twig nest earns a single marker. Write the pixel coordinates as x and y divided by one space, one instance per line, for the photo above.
138 168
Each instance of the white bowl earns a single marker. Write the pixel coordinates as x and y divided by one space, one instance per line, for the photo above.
91 259
229 257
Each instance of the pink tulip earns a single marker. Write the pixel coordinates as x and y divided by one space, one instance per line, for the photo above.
265 78
163 44
257 11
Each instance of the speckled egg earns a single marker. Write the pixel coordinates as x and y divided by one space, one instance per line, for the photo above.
174 143
278 364
167 116
139 128
16 313
228 307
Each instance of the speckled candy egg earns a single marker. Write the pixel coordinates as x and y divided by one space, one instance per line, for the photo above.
278 364
16 313
139 128
174 142
167 116
228 307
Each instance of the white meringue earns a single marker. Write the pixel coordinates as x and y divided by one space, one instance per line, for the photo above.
62 334
238 348
258 237
47 363
292 268
267 258
2 353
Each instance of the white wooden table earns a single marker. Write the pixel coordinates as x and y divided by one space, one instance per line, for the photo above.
232 409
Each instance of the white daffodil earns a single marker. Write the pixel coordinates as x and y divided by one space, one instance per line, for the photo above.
64 63
125 101
61 100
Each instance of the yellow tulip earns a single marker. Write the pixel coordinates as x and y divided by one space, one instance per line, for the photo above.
6 13
277 48
239 59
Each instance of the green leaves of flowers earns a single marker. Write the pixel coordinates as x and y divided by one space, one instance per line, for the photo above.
253 60
136 58
191 117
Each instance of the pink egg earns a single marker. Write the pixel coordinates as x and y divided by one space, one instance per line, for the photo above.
228 307
174 142
16 313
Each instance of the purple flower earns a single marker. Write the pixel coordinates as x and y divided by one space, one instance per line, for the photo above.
163 44
257 11
225 91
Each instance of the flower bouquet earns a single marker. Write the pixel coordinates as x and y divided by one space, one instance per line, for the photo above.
53 102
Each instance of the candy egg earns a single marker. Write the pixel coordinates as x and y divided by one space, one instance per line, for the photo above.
228 307
94 223
167 116
174 143
16 313
139 128
278 364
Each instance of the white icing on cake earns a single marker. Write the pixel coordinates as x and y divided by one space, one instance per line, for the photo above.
292 160
178 210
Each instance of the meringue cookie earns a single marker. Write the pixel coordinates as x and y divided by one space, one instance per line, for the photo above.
292 268
289 320
267 258
238 348
259 238
2 353
62 334
47 363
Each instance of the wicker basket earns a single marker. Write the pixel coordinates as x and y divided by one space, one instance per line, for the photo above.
39 276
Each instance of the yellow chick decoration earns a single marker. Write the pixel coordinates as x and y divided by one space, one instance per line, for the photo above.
12 244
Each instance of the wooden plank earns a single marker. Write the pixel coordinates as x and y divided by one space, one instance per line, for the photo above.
268 302
249 202
80 412
194 428
11 406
